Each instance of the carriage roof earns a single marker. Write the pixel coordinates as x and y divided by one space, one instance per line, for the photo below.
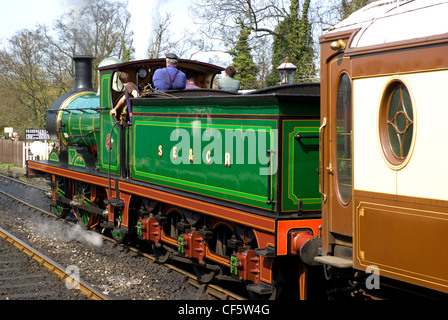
391 21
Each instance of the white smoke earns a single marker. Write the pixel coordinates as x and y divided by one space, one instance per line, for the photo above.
144 17
73 20
67 233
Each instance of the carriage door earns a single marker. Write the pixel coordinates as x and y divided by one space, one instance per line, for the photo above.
339 166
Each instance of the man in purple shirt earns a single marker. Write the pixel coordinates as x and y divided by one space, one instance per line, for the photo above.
169 78
190 81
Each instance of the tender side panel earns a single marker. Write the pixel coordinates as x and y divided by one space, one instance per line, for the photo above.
300 154
224 157
259 222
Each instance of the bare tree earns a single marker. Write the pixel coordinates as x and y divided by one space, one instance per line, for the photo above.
99 28
159 42
262 58
36 64
186 45
95 28
22 66
218 19
327 13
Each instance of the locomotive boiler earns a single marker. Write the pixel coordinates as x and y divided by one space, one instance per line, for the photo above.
225 182
73 119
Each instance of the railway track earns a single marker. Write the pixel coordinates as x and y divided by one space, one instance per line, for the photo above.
24 274
205 291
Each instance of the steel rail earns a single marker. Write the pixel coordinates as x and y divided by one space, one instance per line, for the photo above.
52 266
211 289
15 180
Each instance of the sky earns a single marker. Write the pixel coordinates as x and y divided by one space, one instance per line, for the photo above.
31 12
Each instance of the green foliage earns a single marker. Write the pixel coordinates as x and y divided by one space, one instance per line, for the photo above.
348 7
29 91
243 62
5 168
126 51
293 38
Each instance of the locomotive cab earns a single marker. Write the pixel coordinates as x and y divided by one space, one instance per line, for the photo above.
141 73
115 137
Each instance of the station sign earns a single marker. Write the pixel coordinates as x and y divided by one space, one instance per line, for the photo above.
36 134
8 131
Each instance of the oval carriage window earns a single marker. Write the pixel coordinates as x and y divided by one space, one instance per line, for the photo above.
344 139
396 123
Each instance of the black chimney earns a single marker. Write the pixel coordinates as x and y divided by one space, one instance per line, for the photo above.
83 73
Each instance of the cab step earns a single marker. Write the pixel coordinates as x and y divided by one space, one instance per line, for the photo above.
333 261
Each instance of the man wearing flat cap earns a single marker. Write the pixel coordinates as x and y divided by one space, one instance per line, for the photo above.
169 78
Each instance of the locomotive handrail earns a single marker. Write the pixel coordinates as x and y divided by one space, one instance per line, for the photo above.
158 94
85 135
109 196
321 159
83 109
269 201
299 136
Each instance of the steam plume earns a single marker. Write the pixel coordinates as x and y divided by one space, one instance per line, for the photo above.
74 22
144 16
66 233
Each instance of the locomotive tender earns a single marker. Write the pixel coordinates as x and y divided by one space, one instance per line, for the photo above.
223 181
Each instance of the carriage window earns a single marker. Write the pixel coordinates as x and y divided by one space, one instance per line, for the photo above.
396 123
344 139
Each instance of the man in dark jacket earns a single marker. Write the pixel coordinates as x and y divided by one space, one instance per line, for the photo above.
130 91
170 77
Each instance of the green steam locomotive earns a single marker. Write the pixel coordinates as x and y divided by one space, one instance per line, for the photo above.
224 181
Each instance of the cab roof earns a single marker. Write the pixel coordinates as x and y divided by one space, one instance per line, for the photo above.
161 63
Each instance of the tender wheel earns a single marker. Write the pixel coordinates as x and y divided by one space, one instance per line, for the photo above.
203 274
170 227
218 243
162 255
289 280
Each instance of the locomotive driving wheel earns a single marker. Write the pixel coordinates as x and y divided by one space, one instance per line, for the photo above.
82 196
61 209
116 233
